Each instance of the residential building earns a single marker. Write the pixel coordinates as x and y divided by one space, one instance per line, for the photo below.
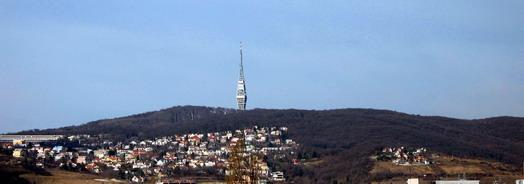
412 181
457 182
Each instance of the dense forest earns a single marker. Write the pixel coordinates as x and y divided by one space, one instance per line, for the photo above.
344 138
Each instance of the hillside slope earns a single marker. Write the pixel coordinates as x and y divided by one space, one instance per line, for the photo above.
345 138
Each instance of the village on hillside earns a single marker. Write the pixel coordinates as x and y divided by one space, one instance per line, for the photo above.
171 159
256 154
405 156
418 165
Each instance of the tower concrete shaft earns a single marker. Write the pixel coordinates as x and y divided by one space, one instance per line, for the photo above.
241 85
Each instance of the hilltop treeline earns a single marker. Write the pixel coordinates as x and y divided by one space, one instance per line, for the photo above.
344 138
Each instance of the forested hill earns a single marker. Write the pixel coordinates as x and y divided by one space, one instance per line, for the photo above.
345 138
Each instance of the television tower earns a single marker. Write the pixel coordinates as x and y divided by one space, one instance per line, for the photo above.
241 85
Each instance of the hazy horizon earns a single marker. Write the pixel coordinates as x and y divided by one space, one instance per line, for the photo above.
65 63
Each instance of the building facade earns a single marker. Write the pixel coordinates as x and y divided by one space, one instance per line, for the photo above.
457 182
28 138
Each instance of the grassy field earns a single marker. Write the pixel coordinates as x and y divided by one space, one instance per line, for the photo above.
65 177
446 167
388 167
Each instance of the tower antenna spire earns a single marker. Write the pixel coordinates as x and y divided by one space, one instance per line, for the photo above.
241 63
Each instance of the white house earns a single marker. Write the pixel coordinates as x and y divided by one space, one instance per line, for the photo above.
277 176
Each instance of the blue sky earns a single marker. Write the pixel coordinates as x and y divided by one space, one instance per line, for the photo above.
69 62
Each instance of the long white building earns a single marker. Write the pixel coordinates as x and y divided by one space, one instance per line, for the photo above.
457 182
29 138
